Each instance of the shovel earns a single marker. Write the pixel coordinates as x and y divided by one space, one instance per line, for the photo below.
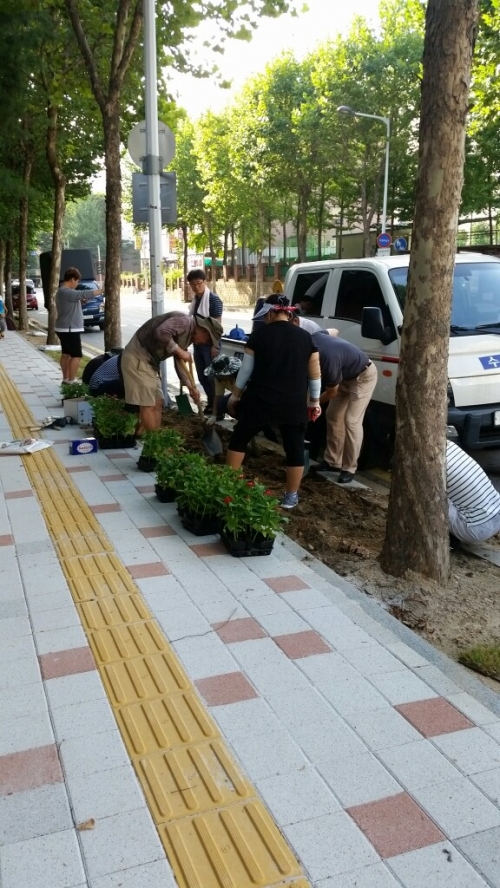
210 439
182 400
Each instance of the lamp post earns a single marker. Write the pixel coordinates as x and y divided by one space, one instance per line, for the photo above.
345 109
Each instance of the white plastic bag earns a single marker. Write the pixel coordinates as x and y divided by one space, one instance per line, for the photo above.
27 445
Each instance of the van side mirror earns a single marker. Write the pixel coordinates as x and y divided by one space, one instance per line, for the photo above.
372 326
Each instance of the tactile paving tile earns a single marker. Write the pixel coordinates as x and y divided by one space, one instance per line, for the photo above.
114 611
93 565
124 642
143 678
215 833
235 847
165 723
101 586
82 545
191 779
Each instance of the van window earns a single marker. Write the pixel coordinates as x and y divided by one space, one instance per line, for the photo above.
476 294
310 289
359 289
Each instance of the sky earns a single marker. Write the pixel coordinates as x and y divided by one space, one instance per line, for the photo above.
325 19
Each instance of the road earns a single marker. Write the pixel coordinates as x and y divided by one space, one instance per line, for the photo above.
135 310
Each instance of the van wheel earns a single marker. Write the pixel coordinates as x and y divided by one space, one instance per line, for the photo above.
101 325
377 450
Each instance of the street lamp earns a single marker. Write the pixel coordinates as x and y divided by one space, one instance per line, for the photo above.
344 109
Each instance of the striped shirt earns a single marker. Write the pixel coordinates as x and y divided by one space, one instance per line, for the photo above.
216 305
469 488
109 371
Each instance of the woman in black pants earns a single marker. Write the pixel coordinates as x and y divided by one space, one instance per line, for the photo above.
280 366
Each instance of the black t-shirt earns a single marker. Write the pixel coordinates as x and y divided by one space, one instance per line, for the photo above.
338 359
277 389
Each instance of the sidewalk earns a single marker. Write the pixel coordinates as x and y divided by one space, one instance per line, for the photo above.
171 716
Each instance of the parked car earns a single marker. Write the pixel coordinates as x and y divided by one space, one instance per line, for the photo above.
93 308
365 298
31 300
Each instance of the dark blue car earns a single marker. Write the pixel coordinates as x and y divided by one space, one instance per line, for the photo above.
93 308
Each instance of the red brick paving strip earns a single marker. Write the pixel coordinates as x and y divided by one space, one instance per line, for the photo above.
20 771
17 494
290 583
302 644
68 662
204 549
6 540
148 488
105 507
162 530
395 825
120 477
74 469
434 716
232 687
244 629
142 571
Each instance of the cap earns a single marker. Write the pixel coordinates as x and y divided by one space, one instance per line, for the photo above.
223 365
214 328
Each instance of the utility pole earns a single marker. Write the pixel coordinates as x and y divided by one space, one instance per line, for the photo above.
152 167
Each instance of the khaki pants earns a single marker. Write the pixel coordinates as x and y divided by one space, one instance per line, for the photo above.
344 420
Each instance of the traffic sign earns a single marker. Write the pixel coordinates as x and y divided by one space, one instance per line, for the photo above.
136 143
140 199
384 251
384 239
400 244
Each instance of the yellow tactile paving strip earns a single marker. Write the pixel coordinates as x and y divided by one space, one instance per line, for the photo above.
215 830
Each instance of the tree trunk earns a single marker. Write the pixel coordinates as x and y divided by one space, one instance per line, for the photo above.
341 228
185 261
304 203
417 525
59 180
243 251
111 122
233 251
226 245
213 255
269 241
23 237
8 279
321 214
284 243
2 266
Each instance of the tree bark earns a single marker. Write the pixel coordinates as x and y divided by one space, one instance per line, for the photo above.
185 268
2 266
8 279
417 525
23 235
112 329
59 180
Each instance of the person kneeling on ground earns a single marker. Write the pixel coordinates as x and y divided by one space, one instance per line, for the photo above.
107 379
167 335
473 502
279 367
223 370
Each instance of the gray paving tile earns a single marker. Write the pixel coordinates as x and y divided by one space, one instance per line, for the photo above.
483 850
418 764
330 845
439 866
471 750
357 779
25 815
149 875
297 795
82 756
51 861
458 808
105 793
376 876
120 842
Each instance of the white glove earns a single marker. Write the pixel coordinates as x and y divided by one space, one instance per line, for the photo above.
210 421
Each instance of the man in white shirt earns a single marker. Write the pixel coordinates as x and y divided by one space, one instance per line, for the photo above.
473 502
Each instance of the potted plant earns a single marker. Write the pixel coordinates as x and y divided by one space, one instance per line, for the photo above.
250 515
198 498
114 426
155 443
73 393
171 468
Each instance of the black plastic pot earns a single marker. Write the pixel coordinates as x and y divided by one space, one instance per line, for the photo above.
165 494
245 546
117 442
201 525
146 464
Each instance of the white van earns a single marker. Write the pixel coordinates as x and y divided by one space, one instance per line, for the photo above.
364 299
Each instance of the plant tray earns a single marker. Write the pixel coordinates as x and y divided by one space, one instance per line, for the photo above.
146 464
165 494
117 442
245 547
204 526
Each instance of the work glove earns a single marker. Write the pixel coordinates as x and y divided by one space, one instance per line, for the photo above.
210 421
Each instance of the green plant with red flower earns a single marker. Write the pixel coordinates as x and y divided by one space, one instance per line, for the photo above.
200 490
248 509
156 442
174 466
